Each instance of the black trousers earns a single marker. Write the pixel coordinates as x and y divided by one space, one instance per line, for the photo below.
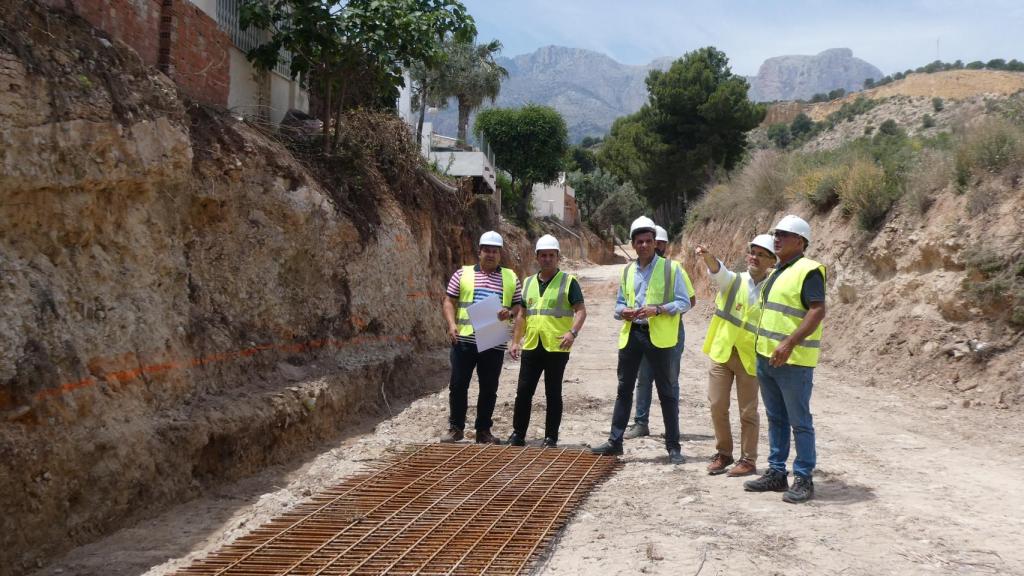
638 348
534 362
465 359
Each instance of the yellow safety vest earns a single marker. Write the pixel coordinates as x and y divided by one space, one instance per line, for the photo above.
466 285
548 316
734 325
660 291
782 312
689 285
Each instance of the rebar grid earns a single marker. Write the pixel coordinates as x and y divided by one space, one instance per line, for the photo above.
429 509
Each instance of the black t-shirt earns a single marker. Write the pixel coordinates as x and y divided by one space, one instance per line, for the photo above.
575 293
813 289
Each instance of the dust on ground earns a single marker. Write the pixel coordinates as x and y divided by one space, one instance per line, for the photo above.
901 487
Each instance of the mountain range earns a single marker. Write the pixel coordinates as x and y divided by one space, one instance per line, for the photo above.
591 90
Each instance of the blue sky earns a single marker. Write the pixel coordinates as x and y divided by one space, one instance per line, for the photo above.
891 35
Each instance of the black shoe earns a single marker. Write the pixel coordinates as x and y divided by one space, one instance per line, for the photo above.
549 443
675 456
516 440
802 490
452 435
608 449
770 481
636 431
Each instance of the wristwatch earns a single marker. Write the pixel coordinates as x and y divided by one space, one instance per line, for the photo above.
657 310
573 332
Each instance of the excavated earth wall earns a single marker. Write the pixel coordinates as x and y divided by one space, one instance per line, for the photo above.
183 302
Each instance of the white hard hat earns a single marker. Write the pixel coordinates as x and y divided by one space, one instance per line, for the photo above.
660 234
642 224
491 238
764 241
547 242
796 225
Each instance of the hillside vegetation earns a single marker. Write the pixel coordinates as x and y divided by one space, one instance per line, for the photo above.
919 224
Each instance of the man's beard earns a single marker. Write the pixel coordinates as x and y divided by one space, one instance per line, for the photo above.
659 252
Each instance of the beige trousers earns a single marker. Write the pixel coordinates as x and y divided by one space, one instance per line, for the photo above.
720 379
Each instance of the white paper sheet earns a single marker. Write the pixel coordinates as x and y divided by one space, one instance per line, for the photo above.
489 331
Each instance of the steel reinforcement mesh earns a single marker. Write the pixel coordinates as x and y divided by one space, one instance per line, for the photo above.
429 509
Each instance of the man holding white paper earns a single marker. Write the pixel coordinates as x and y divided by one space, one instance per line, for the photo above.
471 286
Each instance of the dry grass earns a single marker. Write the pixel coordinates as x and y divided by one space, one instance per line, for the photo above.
929 177
863 194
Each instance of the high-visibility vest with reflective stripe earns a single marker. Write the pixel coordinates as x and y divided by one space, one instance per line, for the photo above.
734 325
548 315
466 285
660 291
782 312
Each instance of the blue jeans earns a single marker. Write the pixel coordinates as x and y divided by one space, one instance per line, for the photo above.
643 383
786 393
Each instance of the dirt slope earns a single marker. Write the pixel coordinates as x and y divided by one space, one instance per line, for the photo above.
183 301
898 485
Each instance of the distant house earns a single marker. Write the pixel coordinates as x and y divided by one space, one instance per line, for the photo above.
557 199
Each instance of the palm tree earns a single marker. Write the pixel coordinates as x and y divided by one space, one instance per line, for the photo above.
471 75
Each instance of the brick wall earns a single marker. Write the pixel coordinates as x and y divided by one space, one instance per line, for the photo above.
197 57
173 35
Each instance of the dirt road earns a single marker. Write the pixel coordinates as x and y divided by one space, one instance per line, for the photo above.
902 486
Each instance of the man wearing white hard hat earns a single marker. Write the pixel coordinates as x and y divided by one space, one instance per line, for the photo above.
468 285
553 315
730 345
788 345
644 388
651 299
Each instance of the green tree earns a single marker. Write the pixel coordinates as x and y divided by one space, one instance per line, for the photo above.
837 93
996 64
938 104
819 97
591 190
471 75
869 83
927 121
579 159
353 54
629 144
618 209
529 143
700 113
976 65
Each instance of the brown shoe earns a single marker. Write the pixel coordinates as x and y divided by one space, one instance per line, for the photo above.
485 437
452 435
719 464
742 468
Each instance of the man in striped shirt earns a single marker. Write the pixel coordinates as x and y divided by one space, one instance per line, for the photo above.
467 286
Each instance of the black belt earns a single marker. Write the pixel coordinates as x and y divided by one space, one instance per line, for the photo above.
644 327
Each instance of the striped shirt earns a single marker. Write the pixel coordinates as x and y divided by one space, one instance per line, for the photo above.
484 284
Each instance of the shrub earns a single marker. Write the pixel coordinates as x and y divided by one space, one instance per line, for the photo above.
801 125
865 195
996 282
819 97
820 187
764 180
889 128
929 176
868 130
991 145
779 134
927 121
837 93
938 104
981 198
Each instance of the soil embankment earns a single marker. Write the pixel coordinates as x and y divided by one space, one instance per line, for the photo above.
184 302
